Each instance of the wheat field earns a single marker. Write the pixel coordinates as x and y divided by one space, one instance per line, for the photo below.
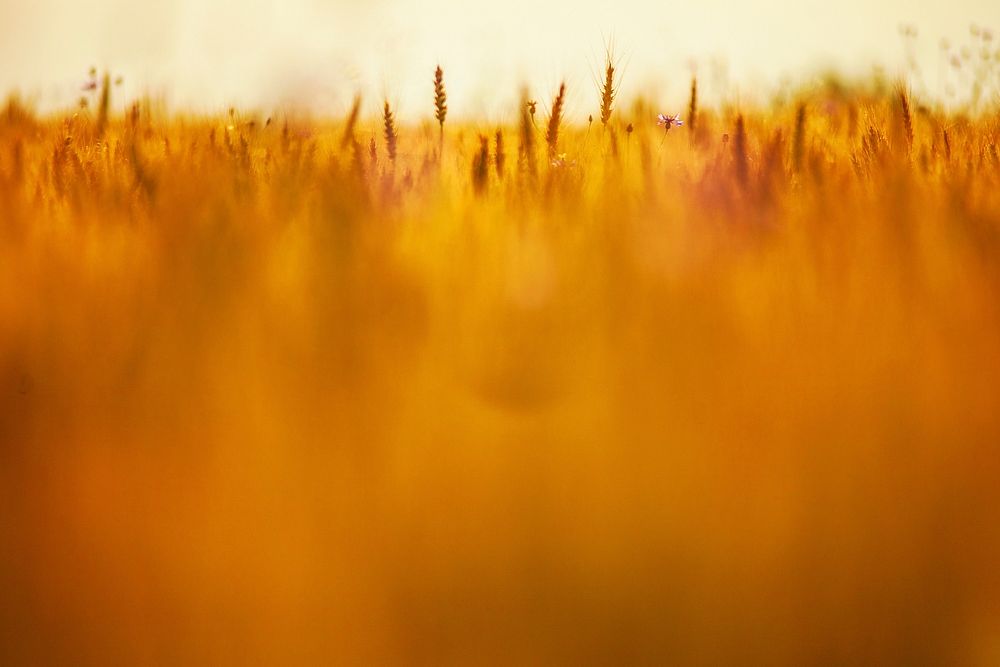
378 389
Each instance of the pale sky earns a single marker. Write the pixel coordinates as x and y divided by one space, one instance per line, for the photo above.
273 54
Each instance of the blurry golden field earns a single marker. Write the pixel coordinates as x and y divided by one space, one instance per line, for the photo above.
602 393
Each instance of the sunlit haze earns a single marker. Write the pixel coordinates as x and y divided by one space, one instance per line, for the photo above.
315 54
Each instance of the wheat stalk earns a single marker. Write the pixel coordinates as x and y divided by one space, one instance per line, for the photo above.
692 117
352 119
481 166
102 109
906 118
440 102
526 149
609 89
555 118
740 150
798 142
391 137
501 157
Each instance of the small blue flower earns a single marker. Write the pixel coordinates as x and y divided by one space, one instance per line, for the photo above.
666 122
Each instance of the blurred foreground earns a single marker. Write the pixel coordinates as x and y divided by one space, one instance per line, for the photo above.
726 394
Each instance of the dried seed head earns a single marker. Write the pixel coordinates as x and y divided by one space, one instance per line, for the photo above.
440 97
552 133
389 127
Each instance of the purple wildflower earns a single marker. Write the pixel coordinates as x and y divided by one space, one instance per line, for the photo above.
666 122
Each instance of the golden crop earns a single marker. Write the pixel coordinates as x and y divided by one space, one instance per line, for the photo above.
377 391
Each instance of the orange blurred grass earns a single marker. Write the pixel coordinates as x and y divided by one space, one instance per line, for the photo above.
727 401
